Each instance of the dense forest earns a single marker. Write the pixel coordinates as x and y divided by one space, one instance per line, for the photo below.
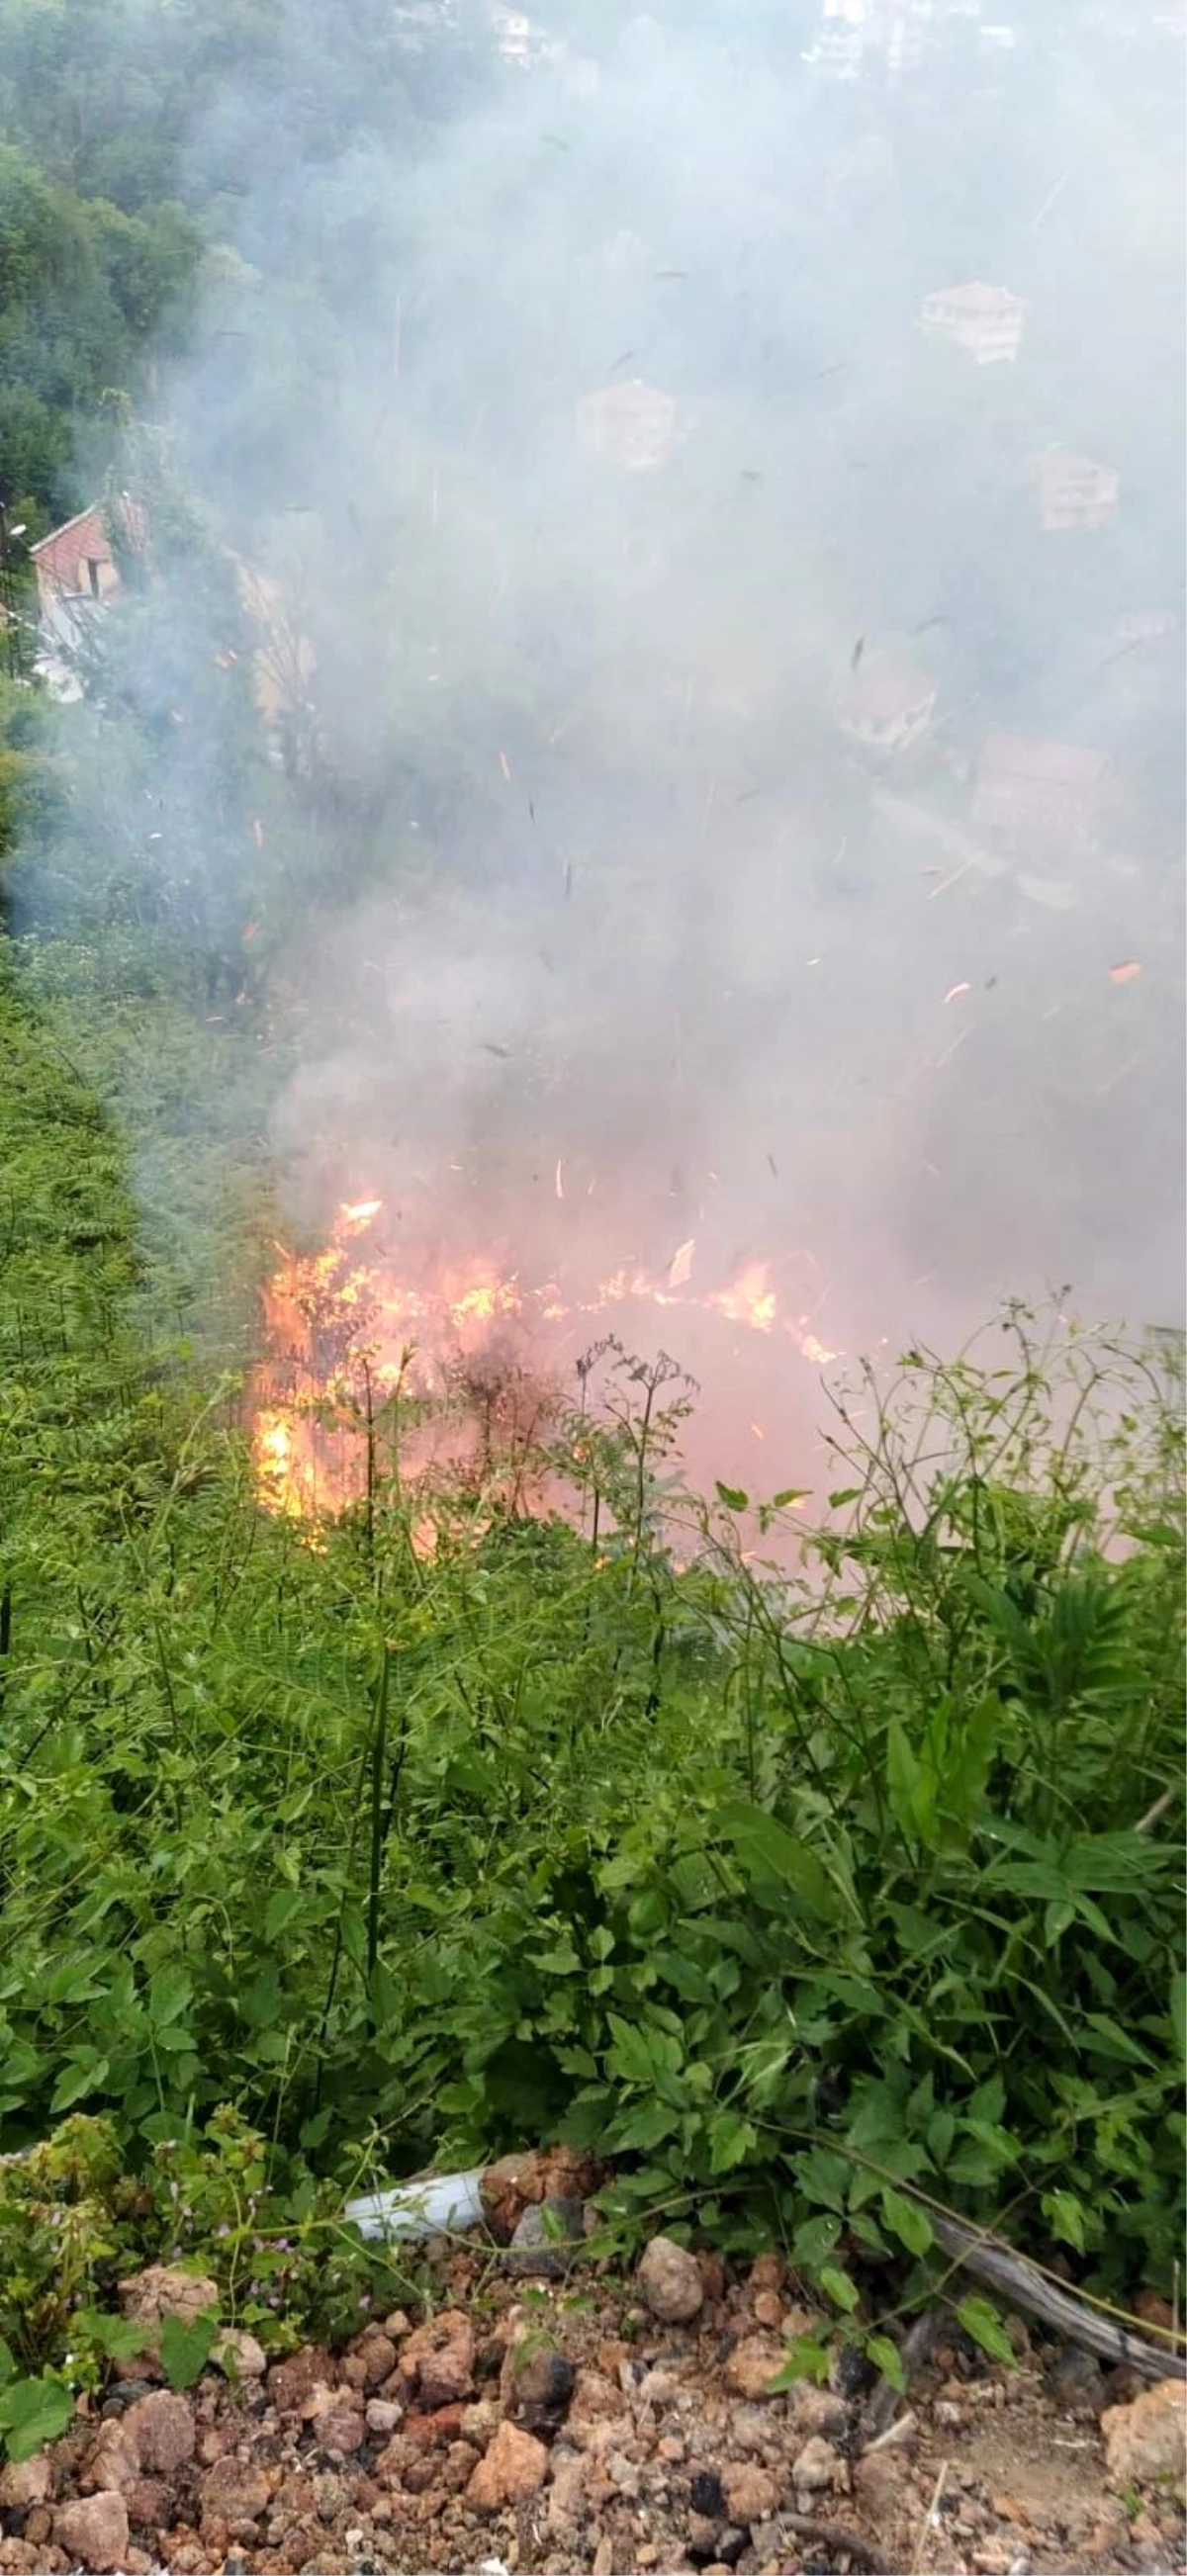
814 1856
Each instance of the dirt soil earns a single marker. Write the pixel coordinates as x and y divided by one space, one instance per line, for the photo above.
536 2424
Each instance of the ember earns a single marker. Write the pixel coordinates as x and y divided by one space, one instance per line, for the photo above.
345 1334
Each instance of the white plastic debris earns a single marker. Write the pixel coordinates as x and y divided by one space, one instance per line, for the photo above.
439 2204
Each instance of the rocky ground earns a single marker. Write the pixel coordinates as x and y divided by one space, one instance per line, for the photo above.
579 2428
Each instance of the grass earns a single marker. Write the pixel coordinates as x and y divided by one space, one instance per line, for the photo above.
804 1897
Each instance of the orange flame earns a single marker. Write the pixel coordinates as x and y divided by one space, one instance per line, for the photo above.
342 1334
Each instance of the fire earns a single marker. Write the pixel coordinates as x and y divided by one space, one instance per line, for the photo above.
345 1330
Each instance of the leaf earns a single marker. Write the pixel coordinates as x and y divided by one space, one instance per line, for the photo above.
733 1498
32 2412
1179 2013
119 2337
885 2356
985 2326
805 2358
169 1993
908 2222
731 2140
7 2362
282 1905
767 1847
79 2076
186 2348
838 2287
791 1494
1066 2216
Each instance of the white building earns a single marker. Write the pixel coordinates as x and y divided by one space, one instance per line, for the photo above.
986 320
1071 491
630 426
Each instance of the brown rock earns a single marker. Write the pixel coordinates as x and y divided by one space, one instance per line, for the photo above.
290 2382
232 2492
537 2387
239 2355
113 2462
514 2467
750 2492
430 2432
93 2529
1145 2441
461 2460
752 2366
377 2353
816 2410
438 2359
878 2484
26 2482
506 2189
595 2400
149 2502
341 2430
147 2297
1154 2310
670 2282
767 2309
818 2466
161 2430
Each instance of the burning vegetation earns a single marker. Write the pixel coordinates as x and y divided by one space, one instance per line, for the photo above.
446 1360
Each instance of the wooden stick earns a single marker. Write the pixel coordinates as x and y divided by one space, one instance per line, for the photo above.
831 2535
988 2259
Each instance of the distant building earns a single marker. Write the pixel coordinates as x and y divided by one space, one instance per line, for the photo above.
896 32
1030 795
1147 625
1072 492
886 703
77 571
986 320
630 426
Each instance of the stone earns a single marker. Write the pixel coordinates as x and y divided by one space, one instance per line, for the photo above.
161 2427
147 2298
752 2365
767 2309
669 2280
26 2482
750 2493
544 2242
1145 2441
341 2430
817 2467
538 2389
1076 2383
377 2352
382 2416
438 2359
113 2462
238 2355
816 2410
233 2491
706 2496
514 2467
878 2484
93 2529
290 2382
595 2400
149 2502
